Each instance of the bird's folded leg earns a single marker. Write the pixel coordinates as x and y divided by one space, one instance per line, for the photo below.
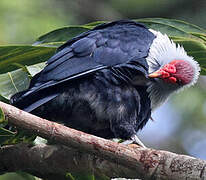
134 139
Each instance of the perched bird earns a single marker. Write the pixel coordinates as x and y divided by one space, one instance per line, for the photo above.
106 81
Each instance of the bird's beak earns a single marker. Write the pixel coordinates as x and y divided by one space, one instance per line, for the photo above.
156 74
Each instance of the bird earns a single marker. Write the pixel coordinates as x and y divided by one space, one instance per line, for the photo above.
108 80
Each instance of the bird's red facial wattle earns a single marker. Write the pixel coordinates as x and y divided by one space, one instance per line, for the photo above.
177 71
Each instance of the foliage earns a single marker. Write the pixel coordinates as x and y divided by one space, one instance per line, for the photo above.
19 63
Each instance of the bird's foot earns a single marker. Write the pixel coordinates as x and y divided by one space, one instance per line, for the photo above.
134 140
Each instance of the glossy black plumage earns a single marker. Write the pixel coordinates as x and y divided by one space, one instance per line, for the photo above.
91 83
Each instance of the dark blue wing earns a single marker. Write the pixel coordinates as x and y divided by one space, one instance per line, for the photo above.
115 44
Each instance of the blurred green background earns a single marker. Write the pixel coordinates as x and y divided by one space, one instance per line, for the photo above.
180 124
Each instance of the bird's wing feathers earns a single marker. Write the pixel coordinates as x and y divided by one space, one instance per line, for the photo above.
107 45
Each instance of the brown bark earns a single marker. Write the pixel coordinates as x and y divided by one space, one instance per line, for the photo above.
90 153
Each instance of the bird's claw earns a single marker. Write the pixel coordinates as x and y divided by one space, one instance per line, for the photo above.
134 140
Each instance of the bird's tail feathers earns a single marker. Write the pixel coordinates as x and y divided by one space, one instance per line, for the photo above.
17 97
29 100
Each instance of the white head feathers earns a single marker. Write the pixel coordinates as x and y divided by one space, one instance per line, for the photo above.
163 51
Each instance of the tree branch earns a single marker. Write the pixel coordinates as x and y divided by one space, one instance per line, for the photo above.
48 161
97 154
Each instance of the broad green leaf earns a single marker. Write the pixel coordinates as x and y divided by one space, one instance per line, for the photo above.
93 24
169 30
200 36
172 27
196 49
17 176
25 176
13 56
13 82
18 80
61 35
34 69
181 25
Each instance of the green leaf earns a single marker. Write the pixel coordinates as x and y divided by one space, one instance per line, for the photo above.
6 132
18 80
2 116
17 176
172 27
93 24
61 35
169 30
25 176
5 135
196 49
15 136
86 176
201 36
13 82
3 120
34 69
13 56
178 24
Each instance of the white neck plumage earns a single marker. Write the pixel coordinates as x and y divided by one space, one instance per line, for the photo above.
163 51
